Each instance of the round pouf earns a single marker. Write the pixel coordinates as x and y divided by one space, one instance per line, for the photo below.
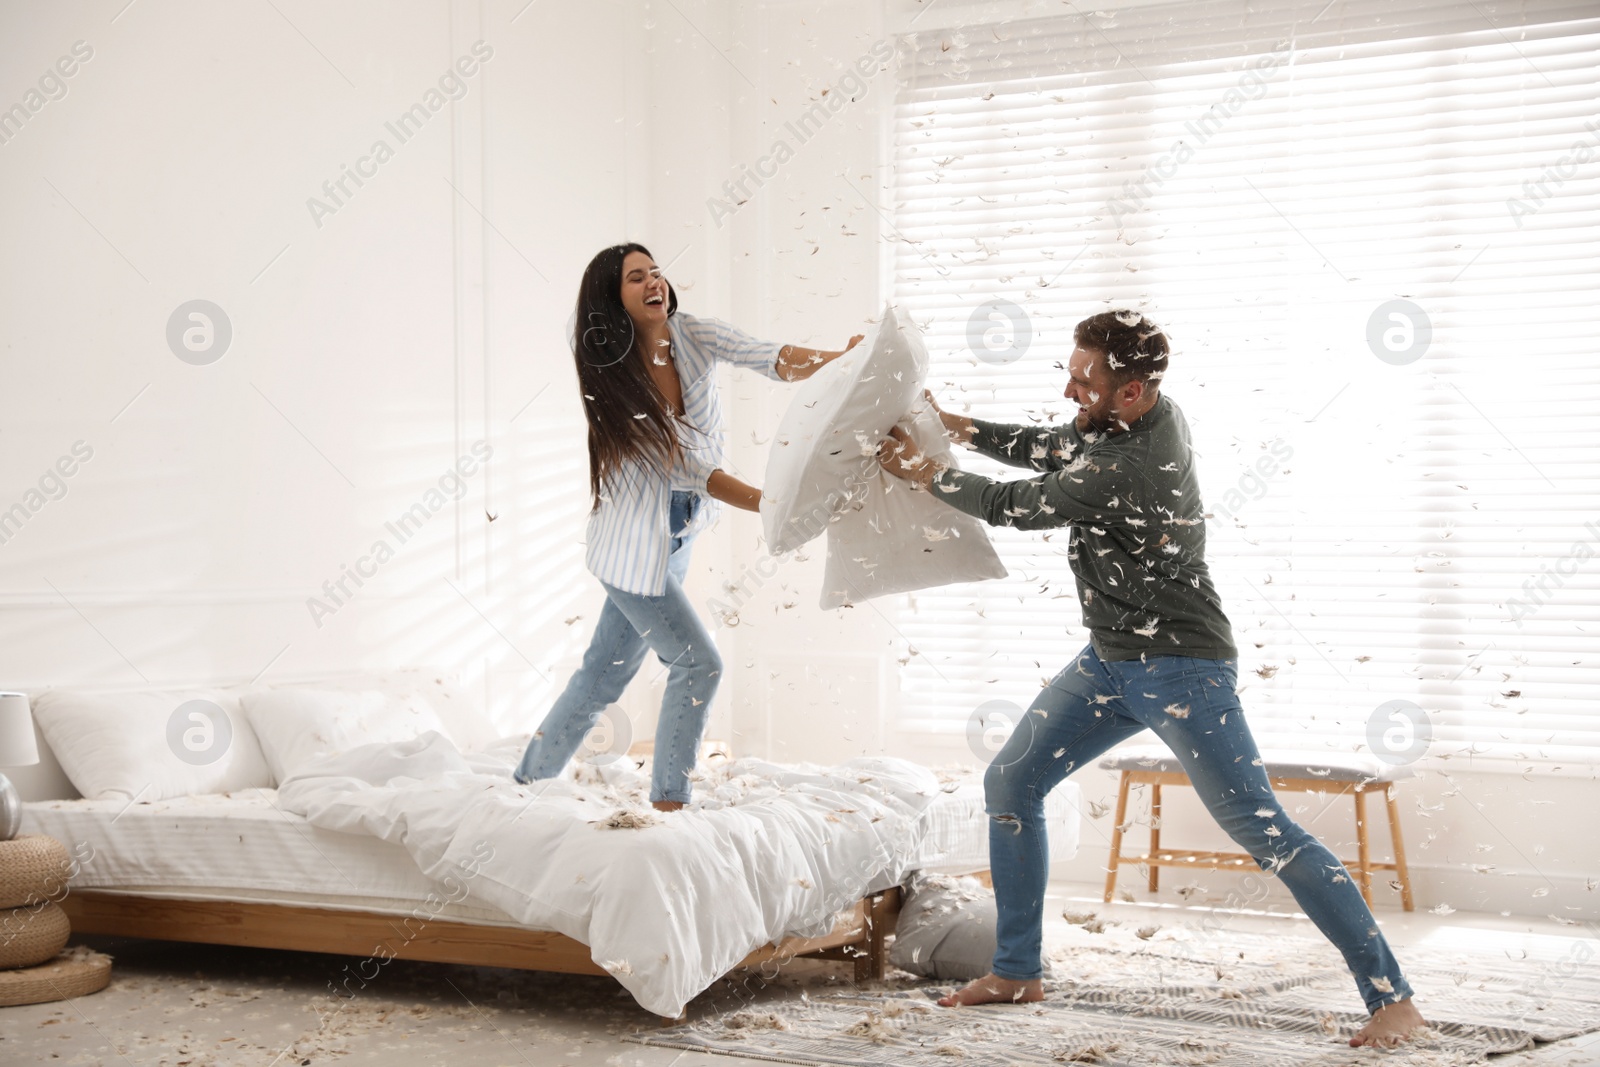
29 936
75 973
33 867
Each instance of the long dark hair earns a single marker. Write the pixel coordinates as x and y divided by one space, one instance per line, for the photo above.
629 418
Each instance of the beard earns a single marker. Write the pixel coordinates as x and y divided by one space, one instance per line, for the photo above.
1091 422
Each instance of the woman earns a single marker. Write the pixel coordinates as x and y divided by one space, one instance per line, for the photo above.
647 374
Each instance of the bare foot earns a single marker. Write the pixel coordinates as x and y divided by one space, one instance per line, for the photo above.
667 805
994 990
1390 1025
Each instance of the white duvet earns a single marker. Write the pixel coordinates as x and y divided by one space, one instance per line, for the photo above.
763 853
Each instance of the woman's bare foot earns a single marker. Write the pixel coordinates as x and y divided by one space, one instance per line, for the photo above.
991 989
1390 1025
667 805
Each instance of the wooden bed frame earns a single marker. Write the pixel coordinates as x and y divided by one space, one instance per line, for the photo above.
859 938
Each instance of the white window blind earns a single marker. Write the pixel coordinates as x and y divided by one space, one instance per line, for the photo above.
1263 184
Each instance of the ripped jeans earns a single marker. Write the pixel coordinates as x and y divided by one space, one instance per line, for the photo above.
630 626
1190 703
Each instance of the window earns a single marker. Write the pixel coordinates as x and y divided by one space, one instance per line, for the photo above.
1373 236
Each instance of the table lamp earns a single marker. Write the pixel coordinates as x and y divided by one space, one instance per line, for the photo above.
17 749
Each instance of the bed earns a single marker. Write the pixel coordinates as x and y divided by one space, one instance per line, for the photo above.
342 861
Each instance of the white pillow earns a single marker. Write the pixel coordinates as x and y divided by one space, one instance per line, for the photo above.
152 745
464 723
825 446
300 727
894 539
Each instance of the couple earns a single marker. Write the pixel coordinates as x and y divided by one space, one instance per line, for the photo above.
1121 475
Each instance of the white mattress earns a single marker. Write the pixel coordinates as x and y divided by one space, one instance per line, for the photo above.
243 847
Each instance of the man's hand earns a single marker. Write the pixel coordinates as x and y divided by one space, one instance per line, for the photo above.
899 455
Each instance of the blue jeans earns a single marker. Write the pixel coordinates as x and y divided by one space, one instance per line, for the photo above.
1191 705
629 625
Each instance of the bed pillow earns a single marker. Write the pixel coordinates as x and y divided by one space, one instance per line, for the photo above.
152 745
464 723
946 929
301 727
825 444
891 538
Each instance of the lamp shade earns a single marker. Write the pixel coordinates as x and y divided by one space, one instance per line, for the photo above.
17 746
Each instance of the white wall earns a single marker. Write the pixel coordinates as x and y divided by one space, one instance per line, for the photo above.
368 353
810 684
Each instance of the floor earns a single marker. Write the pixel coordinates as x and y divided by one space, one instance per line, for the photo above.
199 1006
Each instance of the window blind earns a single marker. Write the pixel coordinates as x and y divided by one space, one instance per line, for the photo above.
1373 237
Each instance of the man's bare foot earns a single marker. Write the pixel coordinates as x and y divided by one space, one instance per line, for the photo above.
1390 1025
994 990
667 805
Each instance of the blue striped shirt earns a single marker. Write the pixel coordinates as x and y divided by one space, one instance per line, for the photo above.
628 537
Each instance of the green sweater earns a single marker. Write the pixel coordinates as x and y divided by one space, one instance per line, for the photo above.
1138 540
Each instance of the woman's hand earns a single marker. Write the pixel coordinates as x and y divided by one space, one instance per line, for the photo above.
730 490
796 364
898 455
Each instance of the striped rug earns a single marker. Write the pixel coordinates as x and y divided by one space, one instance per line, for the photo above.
1175 1000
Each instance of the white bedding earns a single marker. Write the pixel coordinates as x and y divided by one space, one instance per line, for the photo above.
243 847
767 852
759 832
236 846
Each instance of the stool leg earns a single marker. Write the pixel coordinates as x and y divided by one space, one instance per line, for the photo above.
1402 872
1155 834
1364 851
1116 836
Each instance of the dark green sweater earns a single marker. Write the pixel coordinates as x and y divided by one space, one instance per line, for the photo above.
1138 540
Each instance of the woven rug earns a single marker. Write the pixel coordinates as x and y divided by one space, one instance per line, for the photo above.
1175 999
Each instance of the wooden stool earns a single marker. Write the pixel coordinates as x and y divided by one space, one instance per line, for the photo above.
1289 773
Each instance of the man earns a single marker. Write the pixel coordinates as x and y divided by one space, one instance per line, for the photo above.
1161 654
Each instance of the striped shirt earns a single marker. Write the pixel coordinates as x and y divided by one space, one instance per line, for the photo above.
629 540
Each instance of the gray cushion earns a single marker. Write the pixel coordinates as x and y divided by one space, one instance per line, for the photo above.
946 929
